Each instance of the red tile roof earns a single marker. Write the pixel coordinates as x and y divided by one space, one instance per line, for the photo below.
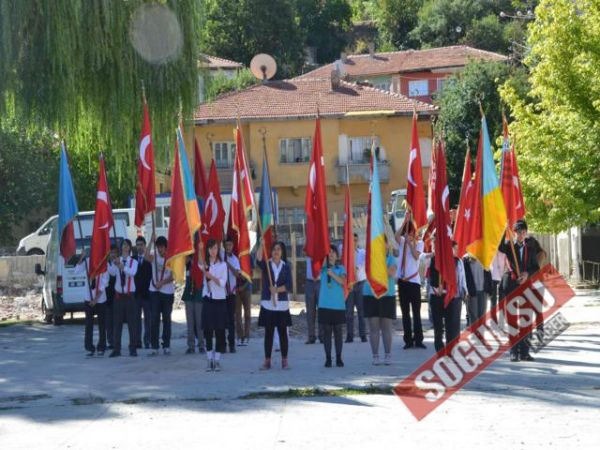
297 98
408 61
214 62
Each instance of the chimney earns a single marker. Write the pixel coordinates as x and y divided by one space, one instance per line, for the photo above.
335 79
372 49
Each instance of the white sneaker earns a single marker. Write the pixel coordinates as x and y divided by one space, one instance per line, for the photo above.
167 351
387 360
376 361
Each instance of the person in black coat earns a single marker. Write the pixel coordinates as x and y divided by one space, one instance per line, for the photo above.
142 295
521 268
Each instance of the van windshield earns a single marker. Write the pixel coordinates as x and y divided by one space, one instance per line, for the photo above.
86 244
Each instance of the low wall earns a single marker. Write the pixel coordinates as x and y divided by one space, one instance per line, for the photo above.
19 271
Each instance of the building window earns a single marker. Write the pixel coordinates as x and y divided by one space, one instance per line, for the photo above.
359 148
224 153
384 86
418 88
294 150
291 216
440 83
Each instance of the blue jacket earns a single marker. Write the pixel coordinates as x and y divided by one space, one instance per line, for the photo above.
285 279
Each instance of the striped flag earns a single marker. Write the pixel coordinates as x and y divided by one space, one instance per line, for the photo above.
265 207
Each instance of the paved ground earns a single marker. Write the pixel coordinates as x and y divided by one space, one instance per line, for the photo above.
51 396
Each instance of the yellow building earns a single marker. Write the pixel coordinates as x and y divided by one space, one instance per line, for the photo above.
280 117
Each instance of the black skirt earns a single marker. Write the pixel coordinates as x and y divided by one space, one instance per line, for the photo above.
268 318
214 314
332 316
385 307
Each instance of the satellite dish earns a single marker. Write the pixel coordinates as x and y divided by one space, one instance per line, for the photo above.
263 67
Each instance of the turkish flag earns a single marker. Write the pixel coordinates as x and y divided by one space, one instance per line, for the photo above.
213 214
444 258
200 182
474 231
145 195
463 215
238 218
348 245
415 195
315 205
511 184
103 221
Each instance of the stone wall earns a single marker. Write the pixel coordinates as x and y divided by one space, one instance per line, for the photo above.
18 272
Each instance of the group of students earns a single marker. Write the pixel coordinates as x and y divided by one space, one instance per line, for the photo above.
142 285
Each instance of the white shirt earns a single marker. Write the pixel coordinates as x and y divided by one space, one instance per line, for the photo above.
268 304
101 283
499 266
130 266
411 264
157 274
360 256
231 278
216 289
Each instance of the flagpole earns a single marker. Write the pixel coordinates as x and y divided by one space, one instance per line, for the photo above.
259 224
153 212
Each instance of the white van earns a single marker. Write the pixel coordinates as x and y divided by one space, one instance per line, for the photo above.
64 290
36 242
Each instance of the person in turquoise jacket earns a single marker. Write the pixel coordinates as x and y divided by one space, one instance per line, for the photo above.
332 305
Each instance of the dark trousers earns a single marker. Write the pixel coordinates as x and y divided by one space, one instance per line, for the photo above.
230 323
146 304
311 300
110 324
445 320
355 300
161 306
124 309
90 311
337 332
520 348
219 340
283 340
410 297
243 302
494 298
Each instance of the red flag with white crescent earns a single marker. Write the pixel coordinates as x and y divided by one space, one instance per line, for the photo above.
145 195
213 214
415 195
463 215
103 222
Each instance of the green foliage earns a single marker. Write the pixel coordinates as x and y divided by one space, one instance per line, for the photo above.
557 127
239 29
450 22
221 83
324 24
69 66
27 183
460 116
395 19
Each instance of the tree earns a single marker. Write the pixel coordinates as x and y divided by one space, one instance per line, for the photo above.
324 23
239 29
70 66
395 19
221 83
557 127
27 181
460 117
450 22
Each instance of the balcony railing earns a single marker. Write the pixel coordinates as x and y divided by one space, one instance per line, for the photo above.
360 172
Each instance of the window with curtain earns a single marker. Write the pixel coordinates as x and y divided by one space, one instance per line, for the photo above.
295 150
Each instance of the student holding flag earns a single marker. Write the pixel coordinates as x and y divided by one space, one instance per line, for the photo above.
332 307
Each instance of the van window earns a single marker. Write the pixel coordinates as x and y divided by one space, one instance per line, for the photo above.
122 216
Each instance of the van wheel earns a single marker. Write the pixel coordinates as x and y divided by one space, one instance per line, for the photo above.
45 313
35 251
58 320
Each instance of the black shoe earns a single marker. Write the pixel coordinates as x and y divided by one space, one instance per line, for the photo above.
114 354
349 340
420 345
311 340
514 358
189 351
407 346
328 362
363 339
232 348
133 353
100 353
90 354
139 346
527 357
339 362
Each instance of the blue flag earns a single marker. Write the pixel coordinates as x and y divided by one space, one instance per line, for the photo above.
265 207
67 209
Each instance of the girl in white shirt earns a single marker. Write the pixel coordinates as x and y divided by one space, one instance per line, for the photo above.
214 310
